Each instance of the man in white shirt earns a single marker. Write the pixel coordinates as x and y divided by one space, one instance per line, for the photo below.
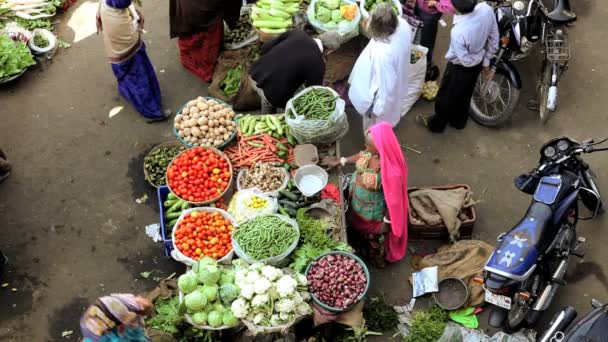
473 42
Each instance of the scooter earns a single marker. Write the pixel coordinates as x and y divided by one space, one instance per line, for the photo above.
528 266
592 328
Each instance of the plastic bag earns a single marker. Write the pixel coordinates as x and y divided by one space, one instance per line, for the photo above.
417 74
278 260
346 33
239 209
365 14
251 38
317 131
178 256
271 193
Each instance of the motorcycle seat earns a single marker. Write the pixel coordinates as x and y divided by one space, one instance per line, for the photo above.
516 254
562 14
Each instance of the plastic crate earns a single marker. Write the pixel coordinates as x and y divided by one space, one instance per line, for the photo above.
163 192
418 231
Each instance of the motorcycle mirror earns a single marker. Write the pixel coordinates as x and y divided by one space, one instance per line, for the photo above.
596 304
587 141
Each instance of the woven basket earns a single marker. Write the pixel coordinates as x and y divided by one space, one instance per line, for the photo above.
221 154
165 144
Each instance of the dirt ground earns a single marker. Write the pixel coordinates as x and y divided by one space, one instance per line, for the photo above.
73 230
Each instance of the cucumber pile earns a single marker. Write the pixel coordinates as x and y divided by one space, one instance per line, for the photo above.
291 199
274 16
273 125
173 208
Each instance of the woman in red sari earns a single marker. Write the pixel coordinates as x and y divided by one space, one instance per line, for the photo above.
199 25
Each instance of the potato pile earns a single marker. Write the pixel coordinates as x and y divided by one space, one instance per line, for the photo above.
205 122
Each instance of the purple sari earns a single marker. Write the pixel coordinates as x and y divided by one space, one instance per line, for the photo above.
138 84
136 77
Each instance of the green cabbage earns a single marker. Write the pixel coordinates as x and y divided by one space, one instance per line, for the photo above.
229 319
228 293
218 307
210 292
215 319
332 4
336 16
199 318
227 276
323 14
208 274
187 283
344 25
195 301
205 261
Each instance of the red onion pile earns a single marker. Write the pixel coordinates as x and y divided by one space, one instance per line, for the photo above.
336 280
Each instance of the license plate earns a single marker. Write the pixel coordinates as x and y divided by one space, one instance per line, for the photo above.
498 300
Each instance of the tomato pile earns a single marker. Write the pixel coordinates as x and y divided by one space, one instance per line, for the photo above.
202 233
199 175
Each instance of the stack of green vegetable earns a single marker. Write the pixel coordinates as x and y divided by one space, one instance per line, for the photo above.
241 31
291 199
157 161
273 125
232 82
316 104
209 292
328 12
265 237
274 16
173 208
14 57
314 241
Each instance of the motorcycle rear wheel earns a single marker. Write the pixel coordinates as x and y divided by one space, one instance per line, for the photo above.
496 104
516 316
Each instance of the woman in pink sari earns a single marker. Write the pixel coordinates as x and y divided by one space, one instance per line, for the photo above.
378 202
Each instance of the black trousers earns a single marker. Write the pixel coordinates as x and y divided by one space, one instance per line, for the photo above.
428 33
454 97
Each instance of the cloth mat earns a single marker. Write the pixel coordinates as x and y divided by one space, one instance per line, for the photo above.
463 260
436 207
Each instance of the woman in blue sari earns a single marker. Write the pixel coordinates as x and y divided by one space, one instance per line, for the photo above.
116 318
121 25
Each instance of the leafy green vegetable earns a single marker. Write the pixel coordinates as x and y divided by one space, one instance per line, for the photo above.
232 82
323 14
14 57
332 4
187 282
336 16
62 44
195 301
44 23
427 325
380 316
314 241
199 318
215 319
167 316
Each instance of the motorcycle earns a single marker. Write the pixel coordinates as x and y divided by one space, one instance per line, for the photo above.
592 328
523 24
524 272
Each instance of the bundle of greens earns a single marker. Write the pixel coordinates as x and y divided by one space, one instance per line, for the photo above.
314 241
427 325
14 57
380 316
167 317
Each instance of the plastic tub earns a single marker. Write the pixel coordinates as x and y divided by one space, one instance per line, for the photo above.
305 174
163 192
42 50
367 276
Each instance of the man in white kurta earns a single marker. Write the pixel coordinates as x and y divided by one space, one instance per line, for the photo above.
379 80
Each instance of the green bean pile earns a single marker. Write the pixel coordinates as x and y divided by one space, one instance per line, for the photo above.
265 237
317 104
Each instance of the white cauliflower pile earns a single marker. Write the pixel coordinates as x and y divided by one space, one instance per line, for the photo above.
269 297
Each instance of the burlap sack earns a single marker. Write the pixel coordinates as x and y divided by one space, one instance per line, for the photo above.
463 260
341 62
246 98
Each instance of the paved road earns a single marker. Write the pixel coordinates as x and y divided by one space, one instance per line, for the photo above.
72 227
